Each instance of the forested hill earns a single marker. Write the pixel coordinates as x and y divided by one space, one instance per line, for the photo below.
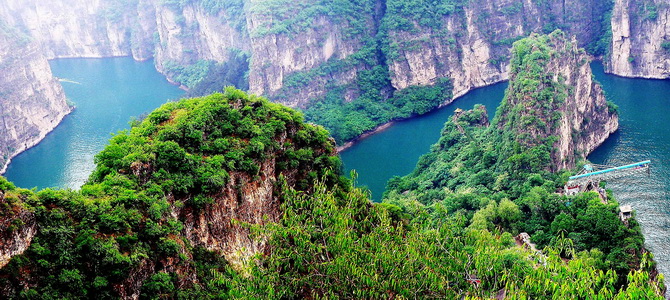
230 196
509 176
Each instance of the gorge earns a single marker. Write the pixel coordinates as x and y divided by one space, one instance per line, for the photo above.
358 55
230 195
152 221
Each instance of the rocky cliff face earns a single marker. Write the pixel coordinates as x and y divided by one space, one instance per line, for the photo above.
32 102
468 42
553 100
471 45
17 226
310 52
640 39
321 52
79 28
182 33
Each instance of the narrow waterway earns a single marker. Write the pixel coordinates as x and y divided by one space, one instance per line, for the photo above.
644 133
396 150
107 93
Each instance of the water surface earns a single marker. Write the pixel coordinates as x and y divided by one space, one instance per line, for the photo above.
396 150
107 93
644 133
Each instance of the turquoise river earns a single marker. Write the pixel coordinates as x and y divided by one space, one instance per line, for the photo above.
108 92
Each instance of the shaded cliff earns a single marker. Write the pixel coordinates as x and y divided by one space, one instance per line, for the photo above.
553 99
17 223
32 102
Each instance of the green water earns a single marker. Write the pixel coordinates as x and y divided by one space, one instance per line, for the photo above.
107 93
396 150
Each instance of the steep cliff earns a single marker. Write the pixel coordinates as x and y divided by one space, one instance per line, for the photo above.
32 102
180 32
552 99
553 115
326 57
83 28
469 42
640 39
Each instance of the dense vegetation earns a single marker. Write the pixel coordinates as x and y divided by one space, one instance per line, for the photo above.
403 30
129 222
500 177
383 36
347 120
181 158
467 174
233 72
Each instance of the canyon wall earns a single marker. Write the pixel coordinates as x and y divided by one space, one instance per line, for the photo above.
310 47
17 224
303 52
32 102
640 39
472 45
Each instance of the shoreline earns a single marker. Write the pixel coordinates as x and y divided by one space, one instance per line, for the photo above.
364 135
35 142
384 126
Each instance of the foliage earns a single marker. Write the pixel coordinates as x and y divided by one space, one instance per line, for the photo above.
347 120
181 156
406 15
337 245
292 17
188 75
499 177
233 72
330 240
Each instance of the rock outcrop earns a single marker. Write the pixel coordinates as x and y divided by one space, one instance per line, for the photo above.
640 39
553 100
200 177
17 226
32 102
